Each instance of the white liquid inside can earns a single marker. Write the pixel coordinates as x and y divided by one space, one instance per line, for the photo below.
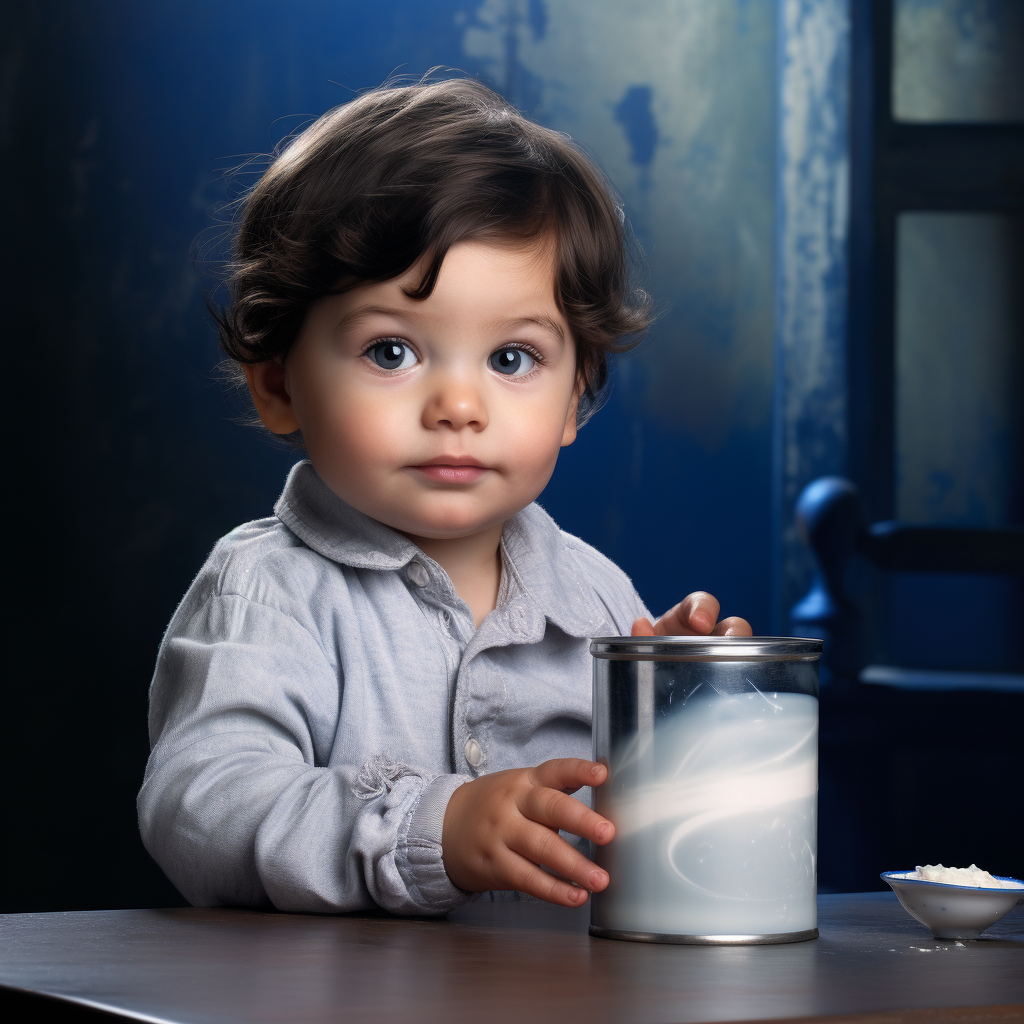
715 811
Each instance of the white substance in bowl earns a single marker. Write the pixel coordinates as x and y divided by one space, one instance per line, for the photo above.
972 876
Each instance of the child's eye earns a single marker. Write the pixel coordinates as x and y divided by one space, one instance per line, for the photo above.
392 354
512 362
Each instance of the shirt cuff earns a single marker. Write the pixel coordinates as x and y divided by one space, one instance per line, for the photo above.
419 858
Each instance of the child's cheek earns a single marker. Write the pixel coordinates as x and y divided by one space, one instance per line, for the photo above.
535 442
357 437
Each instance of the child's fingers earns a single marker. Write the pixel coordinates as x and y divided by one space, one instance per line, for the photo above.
733 626
568 773
535 881
555 809
642 627
695 615
698 612
539 845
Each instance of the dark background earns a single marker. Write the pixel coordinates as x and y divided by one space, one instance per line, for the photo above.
118 123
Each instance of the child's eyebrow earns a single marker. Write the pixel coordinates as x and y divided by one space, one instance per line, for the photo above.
546 322
363 312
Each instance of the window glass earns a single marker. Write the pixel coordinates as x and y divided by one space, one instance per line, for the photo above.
959 316
958 60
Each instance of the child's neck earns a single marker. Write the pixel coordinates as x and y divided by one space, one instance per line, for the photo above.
474 566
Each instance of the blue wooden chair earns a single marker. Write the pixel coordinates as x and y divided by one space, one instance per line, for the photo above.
917 764
828 518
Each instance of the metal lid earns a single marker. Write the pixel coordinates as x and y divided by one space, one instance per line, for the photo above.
705 648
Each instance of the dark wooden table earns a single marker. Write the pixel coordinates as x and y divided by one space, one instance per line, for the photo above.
495 962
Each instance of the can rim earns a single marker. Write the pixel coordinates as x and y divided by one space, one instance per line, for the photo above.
704 648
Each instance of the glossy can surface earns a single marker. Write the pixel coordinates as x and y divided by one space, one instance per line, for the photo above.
712 750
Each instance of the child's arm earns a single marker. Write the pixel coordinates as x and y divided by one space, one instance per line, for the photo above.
241 805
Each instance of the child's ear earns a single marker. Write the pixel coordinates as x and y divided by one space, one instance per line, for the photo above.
270 396
569 431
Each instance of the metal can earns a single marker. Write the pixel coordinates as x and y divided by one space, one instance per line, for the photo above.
711 745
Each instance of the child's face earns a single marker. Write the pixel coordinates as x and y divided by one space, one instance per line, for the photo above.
440 417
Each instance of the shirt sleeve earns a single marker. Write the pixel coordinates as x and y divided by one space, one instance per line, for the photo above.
239 805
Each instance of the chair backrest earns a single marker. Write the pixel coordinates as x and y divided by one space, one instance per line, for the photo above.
829 519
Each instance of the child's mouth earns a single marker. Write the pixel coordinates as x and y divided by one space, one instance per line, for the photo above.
452 469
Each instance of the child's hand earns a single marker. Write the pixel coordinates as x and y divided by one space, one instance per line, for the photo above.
696 615
499 828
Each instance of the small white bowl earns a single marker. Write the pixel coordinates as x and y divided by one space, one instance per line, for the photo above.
953 911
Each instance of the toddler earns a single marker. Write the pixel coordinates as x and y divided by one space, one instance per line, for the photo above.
381 695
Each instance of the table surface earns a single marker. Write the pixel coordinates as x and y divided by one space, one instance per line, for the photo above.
497 962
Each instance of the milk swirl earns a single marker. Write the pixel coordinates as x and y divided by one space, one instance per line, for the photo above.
715 816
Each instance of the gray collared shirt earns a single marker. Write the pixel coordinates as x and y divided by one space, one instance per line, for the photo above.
321 691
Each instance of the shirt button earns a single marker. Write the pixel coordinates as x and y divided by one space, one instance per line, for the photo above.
418 574
474 752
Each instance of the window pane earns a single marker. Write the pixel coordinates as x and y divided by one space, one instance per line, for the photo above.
958 60
958 369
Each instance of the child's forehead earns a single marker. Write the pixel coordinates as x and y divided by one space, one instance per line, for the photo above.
502 267
524 259
498 283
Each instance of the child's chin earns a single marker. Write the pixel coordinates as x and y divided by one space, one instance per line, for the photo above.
448 527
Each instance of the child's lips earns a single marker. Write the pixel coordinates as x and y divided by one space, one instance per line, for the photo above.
452 469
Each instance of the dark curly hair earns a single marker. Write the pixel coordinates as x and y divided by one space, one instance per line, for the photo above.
403 172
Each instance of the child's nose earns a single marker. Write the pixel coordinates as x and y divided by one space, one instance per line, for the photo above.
455 404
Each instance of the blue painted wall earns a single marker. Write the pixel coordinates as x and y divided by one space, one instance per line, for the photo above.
119 121
812 275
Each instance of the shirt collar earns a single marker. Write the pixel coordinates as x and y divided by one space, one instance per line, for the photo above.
336 530
545 582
